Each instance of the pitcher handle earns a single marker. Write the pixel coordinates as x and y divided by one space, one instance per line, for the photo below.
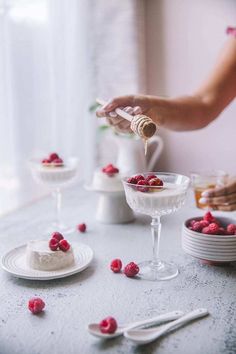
155 156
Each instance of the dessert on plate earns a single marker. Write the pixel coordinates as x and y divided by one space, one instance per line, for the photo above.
107 179
50 255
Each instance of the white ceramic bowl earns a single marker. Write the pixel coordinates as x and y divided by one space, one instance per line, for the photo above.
211 249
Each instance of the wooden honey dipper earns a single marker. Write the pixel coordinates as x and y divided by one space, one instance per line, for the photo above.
140 124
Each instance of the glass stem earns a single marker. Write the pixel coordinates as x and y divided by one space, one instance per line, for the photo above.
156 232
58 198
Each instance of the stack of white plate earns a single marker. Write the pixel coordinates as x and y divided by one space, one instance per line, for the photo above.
216 248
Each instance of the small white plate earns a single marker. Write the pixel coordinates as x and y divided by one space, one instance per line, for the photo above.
14 262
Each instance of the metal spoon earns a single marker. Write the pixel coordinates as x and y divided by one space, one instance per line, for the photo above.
144 336
94 329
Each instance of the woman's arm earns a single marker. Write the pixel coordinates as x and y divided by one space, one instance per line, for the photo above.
188 112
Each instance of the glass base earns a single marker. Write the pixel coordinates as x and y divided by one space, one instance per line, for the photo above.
157 271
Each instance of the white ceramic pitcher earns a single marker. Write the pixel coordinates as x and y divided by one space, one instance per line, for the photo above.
131 158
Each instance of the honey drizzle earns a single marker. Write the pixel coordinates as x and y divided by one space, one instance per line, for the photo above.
145 142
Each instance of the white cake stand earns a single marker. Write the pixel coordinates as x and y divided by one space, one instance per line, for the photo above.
112 207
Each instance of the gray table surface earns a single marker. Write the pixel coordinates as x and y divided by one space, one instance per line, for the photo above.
73 302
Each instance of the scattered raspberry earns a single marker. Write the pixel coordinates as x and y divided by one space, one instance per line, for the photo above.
197 226
57 235
156 182
132 180
231 229
82 227
108 325
36 305
116 265
138 178
53 244
142 183
64 245
131 270
53 156
150 177
209 217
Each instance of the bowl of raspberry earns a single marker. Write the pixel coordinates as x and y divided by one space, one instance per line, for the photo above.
210 239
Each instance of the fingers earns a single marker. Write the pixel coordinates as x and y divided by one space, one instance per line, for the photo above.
120 125
220 191
225 199
230 207
122 101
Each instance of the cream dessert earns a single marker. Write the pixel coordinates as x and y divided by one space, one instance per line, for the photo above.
39 256
107 179
54 173
151 196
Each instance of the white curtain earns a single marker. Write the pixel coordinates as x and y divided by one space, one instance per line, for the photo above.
56 56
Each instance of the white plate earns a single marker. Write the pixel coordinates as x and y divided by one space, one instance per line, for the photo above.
14 262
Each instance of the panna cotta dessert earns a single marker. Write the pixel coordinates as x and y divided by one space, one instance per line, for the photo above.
50 255
107 179
53 170
151 196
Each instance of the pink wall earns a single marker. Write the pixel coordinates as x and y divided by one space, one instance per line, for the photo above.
183 41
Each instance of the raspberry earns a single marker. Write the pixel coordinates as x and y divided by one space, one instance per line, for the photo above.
197 226
142 183
108 166
57 235
108 325
138 178
156 182
206 230
116 265
46 161
191 223
209 217
231 228
204 223
36 305
53 244
82 227
53 156
214 228
131 269
64 245
110 170
132 180
222 231
58 161
150 177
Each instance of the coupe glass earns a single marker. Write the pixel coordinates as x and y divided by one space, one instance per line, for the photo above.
155 202
55 178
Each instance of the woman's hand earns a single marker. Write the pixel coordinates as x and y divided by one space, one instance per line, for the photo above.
131 104
221 198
